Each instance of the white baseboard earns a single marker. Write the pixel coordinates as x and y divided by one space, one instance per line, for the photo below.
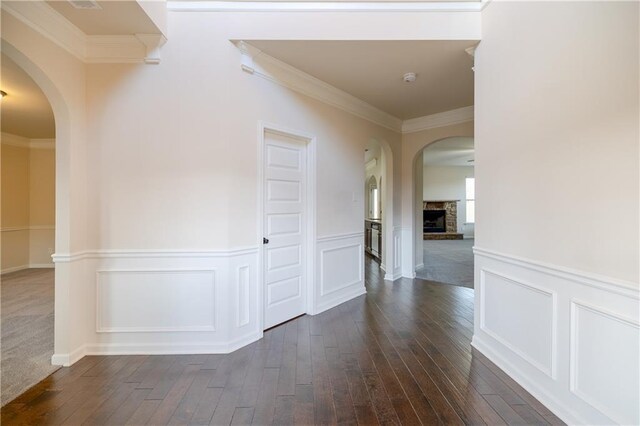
351 295
392 277
29 266
14 269
529 385
41 266
67 360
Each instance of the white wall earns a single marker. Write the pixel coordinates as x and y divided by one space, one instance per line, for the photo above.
557 183
448 183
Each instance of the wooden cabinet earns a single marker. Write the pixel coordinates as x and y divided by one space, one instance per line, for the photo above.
373 238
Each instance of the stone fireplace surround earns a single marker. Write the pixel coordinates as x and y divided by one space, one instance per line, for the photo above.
451 219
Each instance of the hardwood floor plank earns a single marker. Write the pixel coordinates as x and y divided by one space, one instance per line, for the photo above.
400 354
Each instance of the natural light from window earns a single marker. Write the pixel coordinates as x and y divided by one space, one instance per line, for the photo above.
471 200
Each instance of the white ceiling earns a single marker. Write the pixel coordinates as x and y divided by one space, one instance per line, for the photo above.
456 151
114 18
373 71
25 110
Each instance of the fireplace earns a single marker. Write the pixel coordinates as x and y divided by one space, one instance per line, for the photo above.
440 220
434 220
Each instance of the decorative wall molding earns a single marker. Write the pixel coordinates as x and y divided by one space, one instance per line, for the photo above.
28 228
320 6
41 17
151 253
624 288
371 164
110 300
256 62
22 142
555 332
447 118
339 274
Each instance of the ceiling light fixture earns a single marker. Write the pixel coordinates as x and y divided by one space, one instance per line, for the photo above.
3 93
409 77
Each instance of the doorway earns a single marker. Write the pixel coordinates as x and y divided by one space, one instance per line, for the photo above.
286 222
28 163
445 185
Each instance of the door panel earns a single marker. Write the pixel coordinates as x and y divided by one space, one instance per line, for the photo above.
284 218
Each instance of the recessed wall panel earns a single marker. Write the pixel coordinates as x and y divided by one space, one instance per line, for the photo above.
155 300
521 317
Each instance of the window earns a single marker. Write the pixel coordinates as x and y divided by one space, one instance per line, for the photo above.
471 200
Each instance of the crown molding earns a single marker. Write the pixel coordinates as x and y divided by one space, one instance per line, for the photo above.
256 62
45 20
324 6
441 119
10 139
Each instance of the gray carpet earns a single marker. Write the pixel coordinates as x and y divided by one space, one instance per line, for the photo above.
448 262
27 330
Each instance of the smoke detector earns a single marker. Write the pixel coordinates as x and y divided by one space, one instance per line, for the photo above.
85 4
409 77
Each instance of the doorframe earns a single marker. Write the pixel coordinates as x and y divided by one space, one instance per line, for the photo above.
310 213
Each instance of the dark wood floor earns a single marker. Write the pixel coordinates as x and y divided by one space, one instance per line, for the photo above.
400 354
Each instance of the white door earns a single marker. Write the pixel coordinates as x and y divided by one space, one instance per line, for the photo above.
284 228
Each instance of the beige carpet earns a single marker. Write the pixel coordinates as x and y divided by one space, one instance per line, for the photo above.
27 330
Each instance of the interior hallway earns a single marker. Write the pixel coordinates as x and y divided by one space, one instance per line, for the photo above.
27 329
400 354
448 262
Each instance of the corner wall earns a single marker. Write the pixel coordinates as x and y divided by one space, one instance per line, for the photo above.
557 213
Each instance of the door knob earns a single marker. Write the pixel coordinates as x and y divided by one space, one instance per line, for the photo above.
265 241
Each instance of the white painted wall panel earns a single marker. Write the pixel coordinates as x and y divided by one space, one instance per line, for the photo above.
520 316
605 362
161 300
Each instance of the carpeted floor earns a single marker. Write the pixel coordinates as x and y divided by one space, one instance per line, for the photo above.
448 262
27 330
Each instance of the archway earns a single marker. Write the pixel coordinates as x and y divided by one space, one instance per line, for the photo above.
63 134
384 183
444 204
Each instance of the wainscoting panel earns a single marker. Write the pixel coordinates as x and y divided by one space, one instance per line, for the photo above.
155 300
339 270
165 302
508 307
598 338
569 338
394 271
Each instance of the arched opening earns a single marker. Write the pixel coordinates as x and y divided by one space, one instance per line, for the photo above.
27 239
378 202
444 188
64 272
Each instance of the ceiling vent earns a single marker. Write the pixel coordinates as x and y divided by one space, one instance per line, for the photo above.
85 4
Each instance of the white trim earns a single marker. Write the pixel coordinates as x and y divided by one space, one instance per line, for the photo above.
10 139
574 348
441 119
258 63
66 360
550 401
621 287
27 266
151 253
551 370
310 213
322 6
336 237
44 19
358 280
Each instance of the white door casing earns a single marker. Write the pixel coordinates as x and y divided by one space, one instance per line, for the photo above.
284 226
